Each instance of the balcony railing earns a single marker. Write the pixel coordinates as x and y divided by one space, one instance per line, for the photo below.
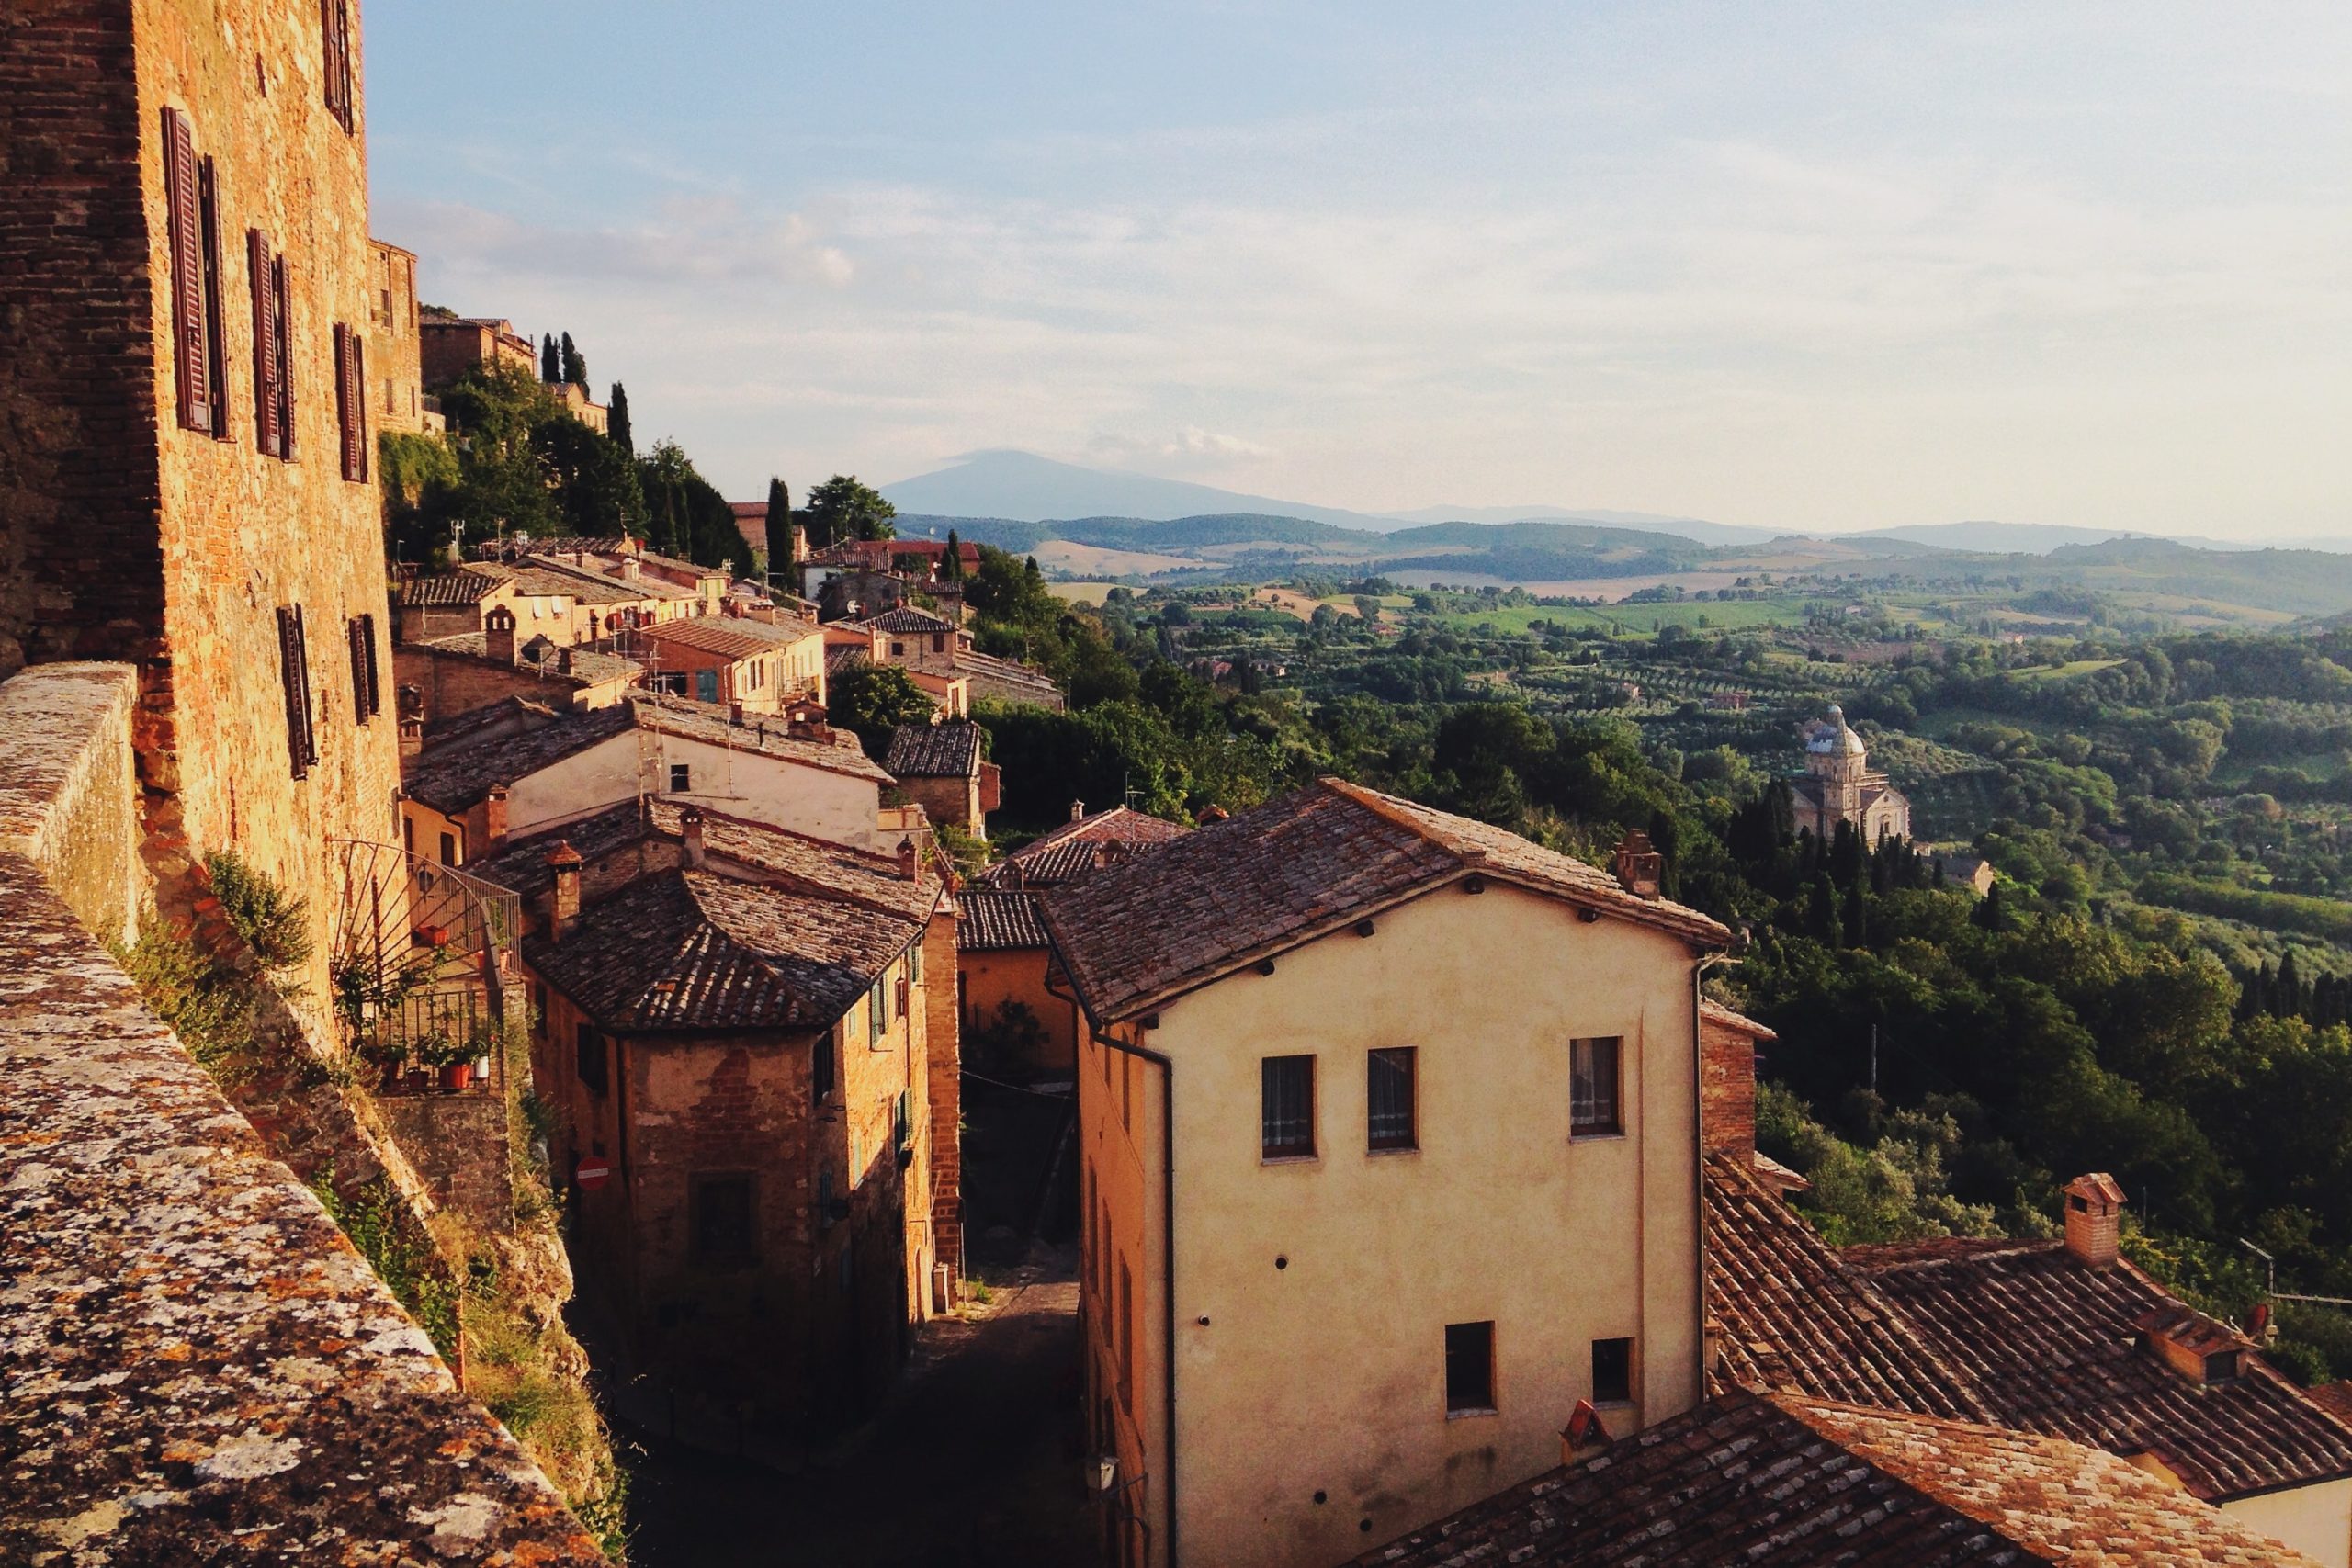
422 962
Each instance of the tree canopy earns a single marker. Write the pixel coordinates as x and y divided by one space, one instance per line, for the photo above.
842 509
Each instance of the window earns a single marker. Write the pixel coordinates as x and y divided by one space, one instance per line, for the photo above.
366 691
706 686
448 849
351 401
682 778
192 200
914 964
821 1070
897 650
1612 1372
902 1124
294 671
1592 1086
878 1011
273 350
938 642
1389 1100
722 1220
588 1051
1469 1369
335 17
1286 1109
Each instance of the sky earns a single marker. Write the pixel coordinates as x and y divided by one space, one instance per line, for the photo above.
1797 265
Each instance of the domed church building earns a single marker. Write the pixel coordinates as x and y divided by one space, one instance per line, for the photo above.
1839 786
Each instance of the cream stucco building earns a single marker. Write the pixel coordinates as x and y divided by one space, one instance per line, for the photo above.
1390 1160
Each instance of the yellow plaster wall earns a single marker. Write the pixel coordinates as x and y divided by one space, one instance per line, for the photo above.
2314 1520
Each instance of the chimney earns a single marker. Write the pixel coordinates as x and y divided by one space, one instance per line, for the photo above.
493 815
2094 1218
1727 1044
1078 811
690 826
1584 1436
411 734
564 904
735 715
628 568
1214 814
563 662
1640 869
906 858
497 635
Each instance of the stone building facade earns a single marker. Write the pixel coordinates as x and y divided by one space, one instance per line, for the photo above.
184 431
451 346
1839 786
398 392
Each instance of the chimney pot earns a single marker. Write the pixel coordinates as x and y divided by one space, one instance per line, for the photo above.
735 715
497 635
1641 870
2094 1218
493 815
906 858
690 826
1078 811
563 905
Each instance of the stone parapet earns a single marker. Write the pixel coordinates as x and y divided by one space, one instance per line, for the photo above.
68 790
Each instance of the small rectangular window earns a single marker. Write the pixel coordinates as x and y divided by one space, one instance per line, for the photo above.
682 778
1612 1372
1388 1091
1469 1369
334 18
821 1070
722 1220
588 1056
1286 1108
914 964
191 334
1593 1077
878 1014
351 400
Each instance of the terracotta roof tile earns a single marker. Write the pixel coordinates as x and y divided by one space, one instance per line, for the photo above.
1000 922
1788 1483
1793 1317
1075 848
727 637
1140 933
448 589
589 666
950 751
455 776
2053 1347
906 618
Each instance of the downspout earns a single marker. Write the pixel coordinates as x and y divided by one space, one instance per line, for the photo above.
1699 1146
1167 1271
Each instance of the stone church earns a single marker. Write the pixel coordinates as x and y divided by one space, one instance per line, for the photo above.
1837 785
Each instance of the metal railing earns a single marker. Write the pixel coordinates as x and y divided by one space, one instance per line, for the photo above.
421 957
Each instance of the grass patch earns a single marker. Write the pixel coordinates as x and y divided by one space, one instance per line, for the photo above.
518 1370
402 1256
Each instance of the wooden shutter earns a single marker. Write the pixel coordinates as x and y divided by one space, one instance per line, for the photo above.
335 24
351 400
301 743
282 328
269 432
216 335
366 693
191 359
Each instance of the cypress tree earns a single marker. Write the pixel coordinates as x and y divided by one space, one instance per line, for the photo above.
780 561
2287 998
951 565
551 367
618 420
575 364
1857 923
1989 915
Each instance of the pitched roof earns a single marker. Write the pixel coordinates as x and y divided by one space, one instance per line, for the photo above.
1787 1482
2335 1398
907 618
2053 1346
1793 1318
695 950
589 666
1074 848
590 573
766 735
727 637
448 589
454 776
1714 1011
1143 932
996 920
950 751
972 662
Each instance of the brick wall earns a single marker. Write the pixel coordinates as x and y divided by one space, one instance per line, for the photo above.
1726 1083
955 801
944 1045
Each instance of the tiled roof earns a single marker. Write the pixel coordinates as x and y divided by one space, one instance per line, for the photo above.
1714 1011
679 563
950 751
1075 848
907 618
971 662
840 656
2053 1346
1793 1318
448 589
1143 932
765 734
1787 1482
726 636
694 950
591 573
1000 922
455 776
589 668
2335 1398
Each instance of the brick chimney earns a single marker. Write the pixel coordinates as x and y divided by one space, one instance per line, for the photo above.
1078 811
2094 1218
564 904
735 715
1641 870
1584 1436
493 815
497 635
906 858
690 828
1727 1044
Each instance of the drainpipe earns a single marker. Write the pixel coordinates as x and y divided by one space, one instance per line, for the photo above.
1699 1146
1166 1268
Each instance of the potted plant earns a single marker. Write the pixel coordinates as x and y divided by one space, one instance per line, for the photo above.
485 1046
390 1058
453 1058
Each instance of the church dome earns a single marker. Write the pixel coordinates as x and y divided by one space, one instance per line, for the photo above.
1832 739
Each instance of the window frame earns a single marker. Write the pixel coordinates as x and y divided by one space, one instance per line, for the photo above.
1374 1141
1270 1152
682 778
1617 1394
294 676
699 1250
824 1075
1591 1123
590 1043
1481 1352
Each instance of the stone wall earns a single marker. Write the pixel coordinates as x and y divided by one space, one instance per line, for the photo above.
457 1145
195 1365
943 1036
1726 1083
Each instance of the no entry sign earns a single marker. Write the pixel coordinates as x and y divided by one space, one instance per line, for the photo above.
591 1173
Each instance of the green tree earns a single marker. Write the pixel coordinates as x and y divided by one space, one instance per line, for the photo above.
551 359
618 420
872 700
779 526
842 509
594 485
575 364
951 565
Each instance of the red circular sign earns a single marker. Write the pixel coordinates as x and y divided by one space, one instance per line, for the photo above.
591 1173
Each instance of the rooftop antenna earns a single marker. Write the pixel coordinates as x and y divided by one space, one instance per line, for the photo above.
2270 1282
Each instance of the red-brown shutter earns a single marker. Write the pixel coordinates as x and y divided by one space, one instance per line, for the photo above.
282 325
191 358
268 435
301 744
365 694
350 402
216 332
359 405
335 25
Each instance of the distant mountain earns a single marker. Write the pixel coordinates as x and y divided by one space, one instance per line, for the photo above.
1025 488
2021 539
1693 528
